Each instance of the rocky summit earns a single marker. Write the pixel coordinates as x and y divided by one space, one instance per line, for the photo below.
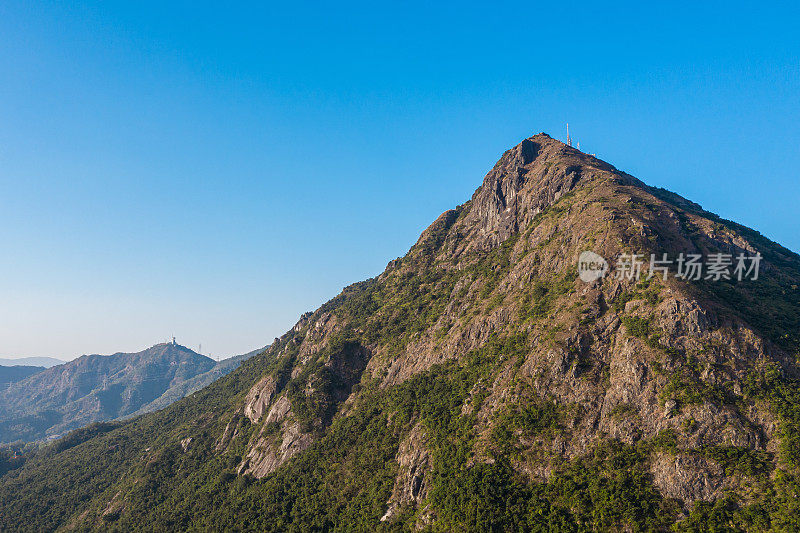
483 383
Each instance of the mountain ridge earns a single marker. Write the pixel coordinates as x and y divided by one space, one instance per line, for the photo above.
478 384
92 388
46 362
12 374
197 382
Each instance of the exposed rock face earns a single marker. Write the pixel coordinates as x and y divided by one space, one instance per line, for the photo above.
687 478
230 433
281 434
593 360
279 411
114 507
413 460
669 407
259 398
528 178
481 355
265 456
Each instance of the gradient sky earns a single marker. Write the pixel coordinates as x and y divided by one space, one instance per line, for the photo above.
212 172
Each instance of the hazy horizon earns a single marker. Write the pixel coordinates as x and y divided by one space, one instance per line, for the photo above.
4 357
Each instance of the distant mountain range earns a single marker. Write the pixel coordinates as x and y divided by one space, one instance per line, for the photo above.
38 403
45 362
188 386
12 374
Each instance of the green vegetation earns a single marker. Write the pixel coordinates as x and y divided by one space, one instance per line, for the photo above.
539 299
738 460
622 410
685 387
643 328
10 459
771 303
93 463
391 312
314 392
494 266
486 452
524 419
774 504
532 418
647 289
666 441
344 480
605 490
638 327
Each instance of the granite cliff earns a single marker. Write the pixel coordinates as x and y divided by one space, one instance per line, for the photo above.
479 383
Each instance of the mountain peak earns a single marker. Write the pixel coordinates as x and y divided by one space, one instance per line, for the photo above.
95 387
526 180
482 376
543 146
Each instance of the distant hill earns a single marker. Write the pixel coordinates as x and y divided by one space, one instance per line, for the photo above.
46 362
11 374
187 387
94 388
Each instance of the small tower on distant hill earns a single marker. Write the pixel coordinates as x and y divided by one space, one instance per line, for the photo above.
569 139
173 341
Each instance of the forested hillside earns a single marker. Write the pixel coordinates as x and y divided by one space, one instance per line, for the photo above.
93 388
479 384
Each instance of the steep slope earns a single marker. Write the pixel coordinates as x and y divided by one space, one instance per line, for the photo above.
12 374
188 386
93 388
479 384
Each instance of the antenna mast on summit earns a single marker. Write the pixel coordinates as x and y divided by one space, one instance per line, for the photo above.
569 139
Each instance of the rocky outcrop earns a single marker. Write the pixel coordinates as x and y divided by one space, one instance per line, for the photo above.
280 433
259 397
410 487
687 478
526 180
625 361
114 507
230 433
484 326
272 447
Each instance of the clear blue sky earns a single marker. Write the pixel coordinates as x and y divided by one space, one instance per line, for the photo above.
212 172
